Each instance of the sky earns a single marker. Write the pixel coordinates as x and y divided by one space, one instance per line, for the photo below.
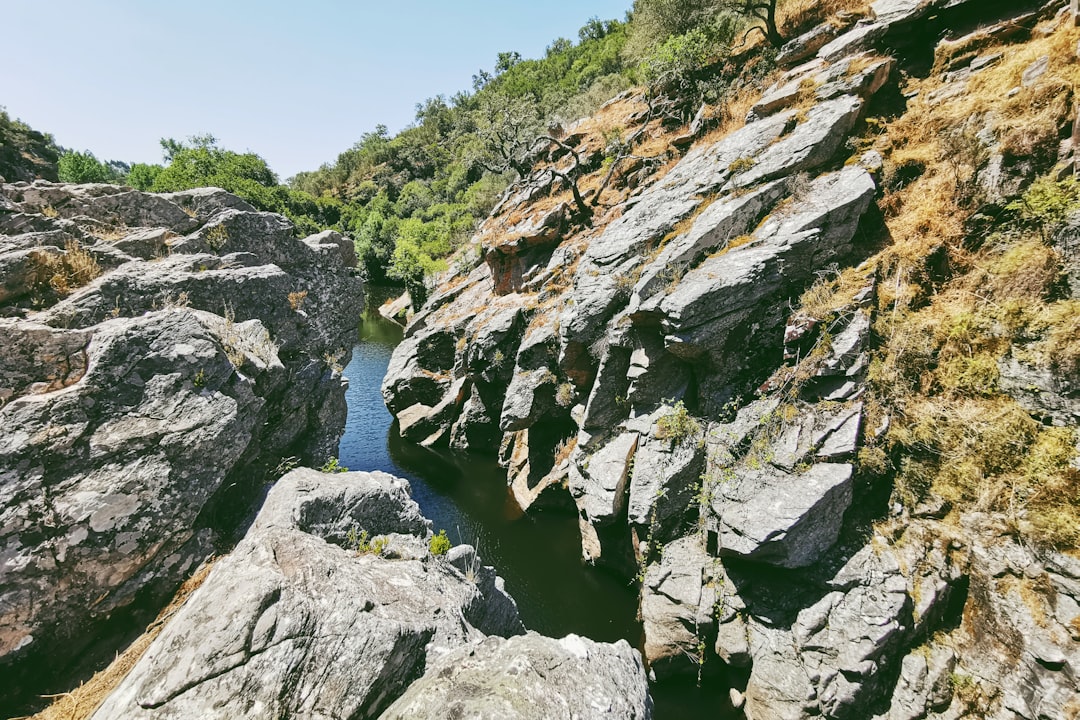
295 82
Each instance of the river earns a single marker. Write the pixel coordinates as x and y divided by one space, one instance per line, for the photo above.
538 555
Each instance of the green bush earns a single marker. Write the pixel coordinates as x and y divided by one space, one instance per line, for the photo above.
332 466
439 544
678 426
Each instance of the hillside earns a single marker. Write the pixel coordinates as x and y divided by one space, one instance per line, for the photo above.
25 154
809 378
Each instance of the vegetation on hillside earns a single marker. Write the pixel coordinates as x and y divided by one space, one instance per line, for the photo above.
971 284
24 152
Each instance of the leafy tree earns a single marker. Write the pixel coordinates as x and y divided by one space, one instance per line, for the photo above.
761 10
142 176
79 167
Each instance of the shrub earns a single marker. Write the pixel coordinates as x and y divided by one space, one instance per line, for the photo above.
360 543
63 274
565 394
678 426
333 466
1047 203
439 544
77 167
296 300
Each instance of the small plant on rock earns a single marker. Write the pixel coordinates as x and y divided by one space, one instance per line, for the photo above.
216 237
741 165
296 300
678 426
565 394
362 544
333 466
439 544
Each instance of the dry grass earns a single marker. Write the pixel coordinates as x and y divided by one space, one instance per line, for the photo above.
731 115
296 300
831 294
797 16
81 702
950 306
63 274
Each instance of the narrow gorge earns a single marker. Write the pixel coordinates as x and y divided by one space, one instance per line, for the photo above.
764 411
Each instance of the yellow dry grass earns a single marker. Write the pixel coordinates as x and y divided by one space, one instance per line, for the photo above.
81 702
794 16
951 307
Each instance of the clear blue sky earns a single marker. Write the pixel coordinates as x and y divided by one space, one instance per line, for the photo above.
296 82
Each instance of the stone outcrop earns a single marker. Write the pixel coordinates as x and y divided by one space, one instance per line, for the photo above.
333 606
716 428
305 619
531 677
160 353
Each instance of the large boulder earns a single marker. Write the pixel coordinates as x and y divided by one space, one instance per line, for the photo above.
531 677
309 617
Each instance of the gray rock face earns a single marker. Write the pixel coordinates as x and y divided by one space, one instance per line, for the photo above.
131 402
842 647
530 677
677 605
1018 650
784 519
294 622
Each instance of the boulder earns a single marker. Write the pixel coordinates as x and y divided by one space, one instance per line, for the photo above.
531 677
781 518
303 620
677 605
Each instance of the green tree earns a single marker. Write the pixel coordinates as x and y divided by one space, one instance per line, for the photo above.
142 176
79 167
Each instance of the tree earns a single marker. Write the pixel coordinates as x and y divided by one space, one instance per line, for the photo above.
77 167
763 10
142 176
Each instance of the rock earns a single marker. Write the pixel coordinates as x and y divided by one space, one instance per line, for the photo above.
780 518
810 144
1016 643
779 686
264 634
665 478
847 638
656 377
537 471
654 212
1066 241
531 677
861 37
924 684
1035 71
137 403
859 75
600 489
719 224
806 45
711 302
1039 390
677 608
396 309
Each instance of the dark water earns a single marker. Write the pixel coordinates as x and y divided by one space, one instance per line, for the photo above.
539 555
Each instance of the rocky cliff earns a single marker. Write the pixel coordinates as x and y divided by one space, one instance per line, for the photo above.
159 356
809 380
